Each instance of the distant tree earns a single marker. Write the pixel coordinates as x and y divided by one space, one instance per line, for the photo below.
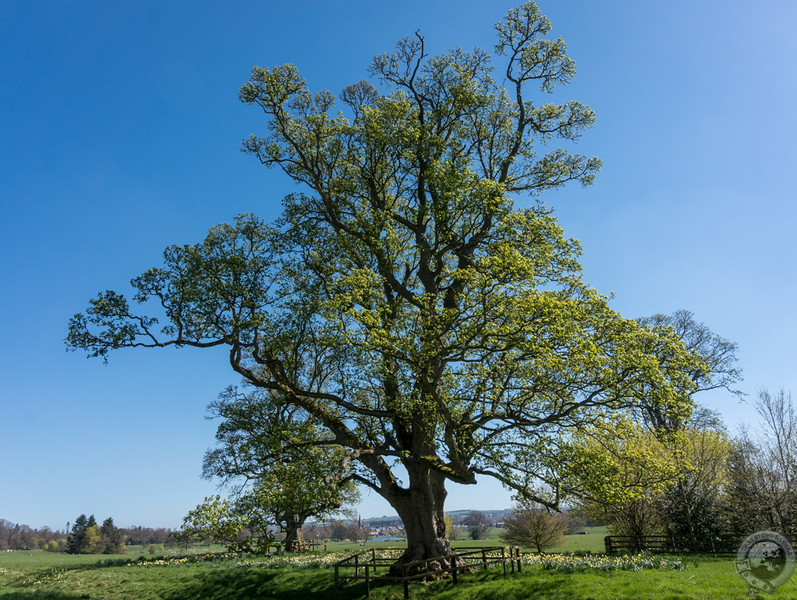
718 368
692 506
87 537
534 526
478 524
14 536
338 530
778 443
111 538
574 522
55 546
620 470
221 521
92 539
357 533
747 504
154 548
318 532
144 536
762 491
452 530
79 540
280 460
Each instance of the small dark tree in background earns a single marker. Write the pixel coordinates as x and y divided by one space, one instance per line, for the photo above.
87 537
478 524
112 539
84 536
533 526
317 531
338 530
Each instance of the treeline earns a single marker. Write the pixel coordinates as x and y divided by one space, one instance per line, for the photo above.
14 536
718 486
84 537
89 538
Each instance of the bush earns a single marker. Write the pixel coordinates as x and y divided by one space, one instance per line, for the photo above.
534 527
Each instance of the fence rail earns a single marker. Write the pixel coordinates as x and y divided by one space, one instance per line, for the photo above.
366 566
721 545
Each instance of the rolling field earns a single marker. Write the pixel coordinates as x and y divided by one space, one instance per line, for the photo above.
39 575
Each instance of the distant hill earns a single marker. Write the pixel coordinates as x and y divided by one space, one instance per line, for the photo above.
458 515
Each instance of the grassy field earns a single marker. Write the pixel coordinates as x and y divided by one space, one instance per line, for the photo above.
40 575
590 542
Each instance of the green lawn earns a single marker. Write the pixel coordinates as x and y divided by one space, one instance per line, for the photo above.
44 576
590 542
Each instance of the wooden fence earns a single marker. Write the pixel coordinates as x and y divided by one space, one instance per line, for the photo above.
721 545
365 566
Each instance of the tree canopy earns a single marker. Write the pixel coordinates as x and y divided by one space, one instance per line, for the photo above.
433 327
279 460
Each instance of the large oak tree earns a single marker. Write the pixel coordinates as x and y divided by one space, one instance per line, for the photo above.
435 330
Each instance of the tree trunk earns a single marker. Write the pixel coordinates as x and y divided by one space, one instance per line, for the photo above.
293 538
420 507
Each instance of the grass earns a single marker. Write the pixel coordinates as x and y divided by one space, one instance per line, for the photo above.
590 542
41 575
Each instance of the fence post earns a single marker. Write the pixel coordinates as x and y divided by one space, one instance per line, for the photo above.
406 583
503 559
484 559
519 561
454 566
367 583
356 566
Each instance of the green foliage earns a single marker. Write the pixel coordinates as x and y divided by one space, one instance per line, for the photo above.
717 369
453 532
621 471
240 529
432 329
533 526
112 538
664 469
478 524
87 537
692 507
289 469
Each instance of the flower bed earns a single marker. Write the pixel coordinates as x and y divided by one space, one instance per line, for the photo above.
570 564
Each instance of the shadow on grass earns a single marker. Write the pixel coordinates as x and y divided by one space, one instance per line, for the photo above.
43 595
300 584
494 586
261 584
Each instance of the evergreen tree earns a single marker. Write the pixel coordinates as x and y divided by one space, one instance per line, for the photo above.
112 538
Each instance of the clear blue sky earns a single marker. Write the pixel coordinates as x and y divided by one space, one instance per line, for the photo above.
120 133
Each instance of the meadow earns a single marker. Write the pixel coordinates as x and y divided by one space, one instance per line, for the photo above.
38 575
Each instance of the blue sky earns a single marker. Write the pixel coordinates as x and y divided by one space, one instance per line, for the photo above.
121 131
